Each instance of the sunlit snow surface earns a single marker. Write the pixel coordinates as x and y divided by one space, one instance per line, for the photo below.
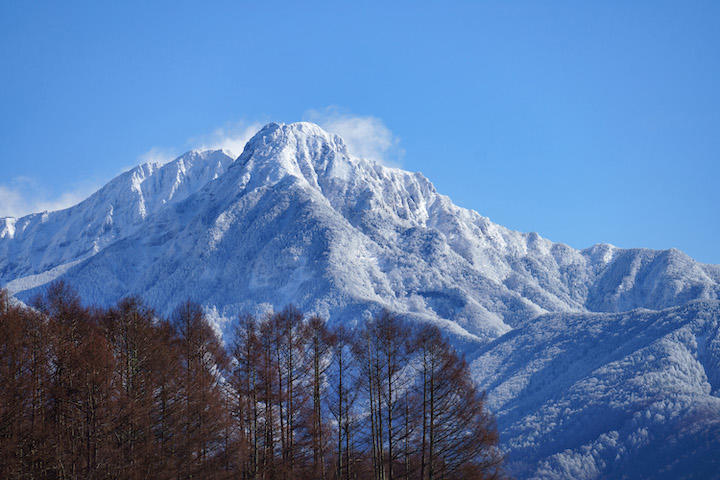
580 390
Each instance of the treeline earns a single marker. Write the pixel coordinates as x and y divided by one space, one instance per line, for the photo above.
90 393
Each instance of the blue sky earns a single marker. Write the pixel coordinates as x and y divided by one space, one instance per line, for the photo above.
584 121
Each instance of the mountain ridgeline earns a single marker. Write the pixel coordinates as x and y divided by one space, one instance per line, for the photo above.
579 350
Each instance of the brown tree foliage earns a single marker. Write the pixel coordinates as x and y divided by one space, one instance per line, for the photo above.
120 393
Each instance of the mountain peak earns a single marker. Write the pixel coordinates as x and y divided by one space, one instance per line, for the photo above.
298 134
297 128
302 150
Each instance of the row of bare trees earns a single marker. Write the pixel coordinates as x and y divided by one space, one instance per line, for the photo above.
119 393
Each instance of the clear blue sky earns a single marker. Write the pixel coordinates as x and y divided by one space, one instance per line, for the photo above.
584 121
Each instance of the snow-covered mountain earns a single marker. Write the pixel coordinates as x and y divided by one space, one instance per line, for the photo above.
573 346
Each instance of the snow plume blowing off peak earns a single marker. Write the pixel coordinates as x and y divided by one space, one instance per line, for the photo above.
366 136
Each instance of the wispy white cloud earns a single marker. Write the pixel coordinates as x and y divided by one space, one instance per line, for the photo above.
23 195
231 138
158 155
366 136
12 203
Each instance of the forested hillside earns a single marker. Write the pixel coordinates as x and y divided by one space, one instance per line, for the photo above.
90 393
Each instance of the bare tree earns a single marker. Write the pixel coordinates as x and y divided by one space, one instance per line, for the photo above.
246 353
458 436
320 344
202 359
343 390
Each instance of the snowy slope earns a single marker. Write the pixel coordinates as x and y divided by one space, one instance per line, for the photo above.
606 395
297 218
40 244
